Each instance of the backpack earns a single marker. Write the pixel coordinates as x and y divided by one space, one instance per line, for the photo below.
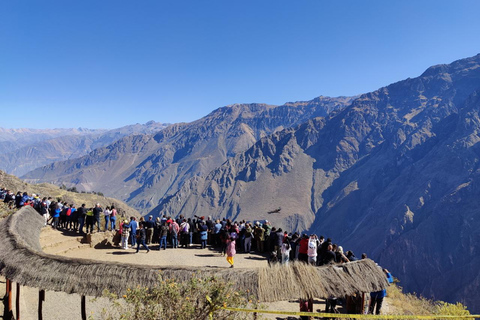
37 205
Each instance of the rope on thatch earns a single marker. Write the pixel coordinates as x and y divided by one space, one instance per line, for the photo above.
23 261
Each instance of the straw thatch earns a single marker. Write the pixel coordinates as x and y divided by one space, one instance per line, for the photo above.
23 261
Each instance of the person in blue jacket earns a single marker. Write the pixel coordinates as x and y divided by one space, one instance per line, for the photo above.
376 298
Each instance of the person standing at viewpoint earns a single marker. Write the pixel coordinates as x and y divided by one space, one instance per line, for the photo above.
231 250
96 215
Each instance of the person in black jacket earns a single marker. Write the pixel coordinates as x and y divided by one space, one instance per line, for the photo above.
142 236
96 214
82 215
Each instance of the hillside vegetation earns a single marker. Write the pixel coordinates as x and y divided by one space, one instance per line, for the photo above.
400 303
49 190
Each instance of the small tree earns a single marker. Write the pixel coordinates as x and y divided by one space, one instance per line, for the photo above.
197 298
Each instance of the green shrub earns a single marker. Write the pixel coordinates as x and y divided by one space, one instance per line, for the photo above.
197 298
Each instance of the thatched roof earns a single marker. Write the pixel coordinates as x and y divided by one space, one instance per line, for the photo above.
23 261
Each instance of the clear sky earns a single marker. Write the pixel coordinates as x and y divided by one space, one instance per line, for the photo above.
109 63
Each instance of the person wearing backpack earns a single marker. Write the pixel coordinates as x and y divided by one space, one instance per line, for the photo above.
142 236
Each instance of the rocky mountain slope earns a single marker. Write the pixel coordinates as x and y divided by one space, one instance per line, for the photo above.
23 150
143 169
396 174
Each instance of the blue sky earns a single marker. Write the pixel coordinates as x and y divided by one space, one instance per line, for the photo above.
109 63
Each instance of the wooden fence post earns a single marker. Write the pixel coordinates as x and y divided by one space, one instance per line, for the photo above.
17 302
84 308
9 295
41 298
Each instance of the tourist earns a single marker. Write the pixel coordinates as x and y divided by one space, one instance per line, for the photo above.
376 298
82 214
44 210
174 228
303 249
56 218
156 230
259 233
150 225
278 242
125 232
230 250
133 224
113 218
191 230
203 235
329 257
312 249
351 256
96 214
184 227
106 213
163 236
90 221
142 236
248 235
285 251
74 218
340 256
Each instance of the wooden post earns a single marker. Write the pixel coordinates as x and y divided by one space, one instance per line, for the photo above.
84 308
9 295
41 298
17 302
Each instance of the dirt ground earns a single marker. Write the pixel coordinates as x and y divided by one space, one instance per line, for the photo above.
59 305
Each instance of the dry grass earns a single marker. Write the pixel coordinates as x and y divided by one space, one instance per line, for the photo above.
48 190
409 304
406 303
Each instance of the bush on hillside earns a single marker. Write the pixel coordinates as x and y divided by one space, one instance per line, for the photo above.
410 304
196 298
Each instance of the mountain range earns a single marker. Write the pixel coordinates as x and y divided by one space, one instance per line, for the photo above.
394 173
144 169
23 150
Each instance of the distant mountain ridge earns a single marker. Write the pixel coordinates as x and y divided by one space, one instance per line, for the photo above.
143 169
13 139
24 150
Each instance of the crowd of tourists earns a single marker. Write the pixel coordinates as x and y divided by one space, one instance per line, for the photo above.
63 215
231 237
226 236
